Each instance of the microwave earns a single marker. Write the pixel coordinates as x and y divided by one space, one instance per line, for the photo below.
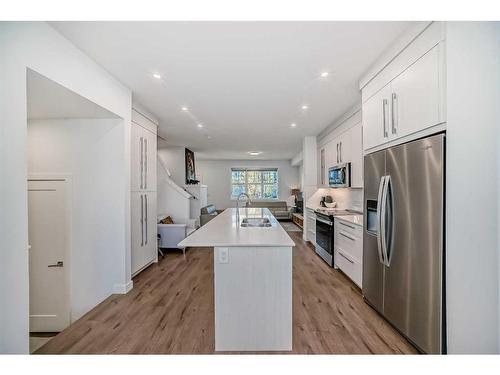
340 176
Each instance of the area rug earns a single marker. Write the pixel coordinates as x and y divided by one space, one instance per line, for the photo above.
290 226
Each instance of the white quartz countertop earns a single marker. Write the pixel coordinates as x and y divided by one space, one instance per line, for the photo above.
224 231
355 219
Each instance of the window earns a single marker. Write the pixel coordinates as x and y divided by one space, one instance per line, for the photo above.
257 183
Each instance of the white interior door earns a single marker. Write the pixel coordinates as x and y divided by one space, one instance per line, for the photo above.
49 238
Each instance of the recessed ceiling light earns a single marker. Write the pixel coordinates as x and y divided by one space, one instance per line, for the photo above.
184 109
293 125
157 76
324 74
305 107
200 125
254 153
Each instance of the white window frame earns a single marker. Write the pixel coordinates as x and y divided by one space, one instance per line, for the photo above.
255 169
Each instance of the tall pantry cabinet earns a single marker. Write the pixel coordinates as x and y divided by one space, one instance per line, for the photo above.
143 209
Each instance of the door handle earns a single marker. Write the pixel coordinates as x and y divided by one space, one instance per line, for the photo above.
394 117
142 163
340 147
324 221
379 220
142 220
146 221
58 264
385 195
383 226
146 163
384 105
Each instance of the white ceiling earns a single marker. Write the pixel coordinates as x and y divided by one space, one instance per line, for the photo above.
244 81
47 99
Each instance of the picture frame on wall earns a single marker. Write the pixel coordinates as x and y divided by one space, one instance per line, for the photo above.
190 167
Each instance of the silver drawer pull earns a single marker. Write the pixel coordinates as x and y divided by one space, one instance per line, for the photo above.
346 225
346 258
346 236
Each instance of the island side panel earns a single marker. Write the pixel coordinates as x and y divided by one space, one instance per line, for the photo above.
253 299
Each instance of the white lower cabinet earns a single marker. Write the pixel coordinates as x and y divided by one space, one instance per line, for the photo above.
348 247
143 229
311 226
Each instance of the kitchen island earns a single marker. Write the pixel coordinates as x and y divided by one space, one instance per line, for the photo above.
252 279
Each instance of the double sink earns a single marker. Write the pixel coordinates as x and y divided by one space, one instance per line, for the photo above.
260 222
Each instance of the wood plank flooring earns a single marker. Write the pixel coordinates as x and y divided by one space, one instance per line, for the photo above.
170 310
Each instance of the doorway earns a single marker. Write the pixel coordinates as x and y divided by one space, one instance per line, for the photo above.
76 205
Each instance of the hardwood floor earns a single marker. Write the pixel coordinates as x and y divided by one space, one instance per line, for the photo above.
170 310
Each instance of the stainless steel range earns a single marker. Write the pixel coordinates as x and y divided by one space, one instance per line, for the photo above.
325 231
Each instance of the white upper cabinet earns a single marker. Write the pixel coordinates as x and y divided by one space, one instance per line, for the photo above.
143 159
404 99
376 114
343 145
415 96
322 171
356 155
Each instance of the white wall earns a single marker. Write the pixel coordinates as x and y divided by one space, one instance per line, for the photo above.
172 200
473 60
216 174
175 159
37 46
91 151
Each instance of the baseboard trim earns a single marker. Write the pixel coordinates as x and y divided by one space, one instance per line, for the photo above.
123 288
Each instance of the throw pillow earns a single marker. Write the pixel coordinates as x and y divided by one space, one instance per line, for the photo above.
167 220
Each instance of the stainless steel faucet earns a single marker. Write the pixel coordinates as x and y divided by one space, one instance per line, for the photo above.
249 202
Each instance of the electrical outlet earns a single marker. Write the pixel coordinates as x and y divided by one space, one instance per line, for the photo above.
223 255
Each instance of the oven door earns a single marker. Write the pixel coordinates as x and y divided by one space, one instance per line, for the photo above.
324 233
340 176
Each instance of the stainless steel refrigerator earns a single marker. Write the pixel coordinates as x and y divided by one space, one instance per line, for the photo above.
403 248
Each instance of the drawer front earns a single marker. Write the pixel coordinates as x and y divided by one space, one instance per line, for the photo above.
349 238
349 227
349 266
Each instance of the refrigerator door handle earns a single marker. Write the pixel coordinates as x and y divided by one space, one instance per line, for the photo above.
379 220
383 226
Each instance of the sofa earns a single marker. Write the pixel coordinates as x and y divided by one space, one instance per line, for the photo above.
279 209
169 235
208 213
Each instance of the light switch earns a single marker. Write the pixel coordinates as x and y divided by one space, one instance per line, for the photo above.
223 255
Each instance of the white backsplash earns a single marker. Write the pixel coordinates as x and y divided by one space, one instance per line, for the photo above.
345 198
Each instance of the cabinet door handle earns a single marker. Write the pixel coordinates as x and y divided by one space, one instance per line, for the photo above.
346 225
142 220
337 152
146 221
346 258
384 105
346 236
394 113
146 164
341 152
142 163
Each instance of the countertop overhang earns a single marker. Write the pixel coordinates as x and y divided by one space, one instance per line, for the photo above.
224 230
